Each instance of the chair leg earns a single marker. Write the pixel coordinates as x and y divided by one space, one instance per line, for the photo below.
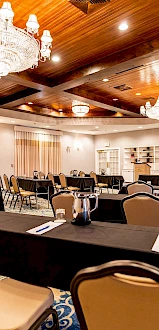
12 201
108 190
30 202
15 201
8 198
43 317
22 200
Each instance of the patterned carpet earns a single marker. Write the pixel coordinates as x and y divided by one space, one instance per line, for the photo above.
65 309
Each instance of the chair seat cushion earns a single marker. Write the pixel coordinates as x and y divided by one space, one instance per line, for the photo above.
73 188
58 186
21 304
100 185
27 193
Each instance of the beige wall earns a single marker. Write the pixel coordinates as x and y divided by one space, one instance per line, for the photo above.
6 149
77 153
128 139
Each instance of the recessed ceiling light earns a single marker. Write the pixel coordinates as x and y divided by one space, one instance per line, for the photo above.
123 26
115 99
30 102
60 110
97 127
105 79
139 126
12 121
47 126
55 58
138 94
115 130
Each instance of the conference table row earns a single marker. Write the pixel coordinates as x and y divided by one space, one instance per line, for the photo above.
52 259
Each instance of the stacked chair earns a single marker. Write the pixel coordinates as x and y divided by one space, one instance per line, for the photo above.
141 208
63 200
100 186
64 185
55 185
24 306
118 295
22 194
41 175
139 186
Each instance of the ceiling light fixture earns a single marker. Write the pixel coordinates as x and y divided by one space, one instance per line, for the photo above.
55 58
123 26
115 130
80 108
150 111
105 79
138 94
30 102
115 99
19 50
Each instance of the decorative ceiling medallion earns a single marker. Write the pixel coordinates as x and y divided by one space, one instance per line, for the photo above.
87 6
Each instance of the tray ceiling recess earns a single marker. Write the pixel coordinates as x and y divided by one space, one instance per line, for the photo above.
88 6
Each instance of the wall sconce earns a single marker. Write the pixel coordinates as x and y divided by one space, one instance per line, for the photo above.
68 149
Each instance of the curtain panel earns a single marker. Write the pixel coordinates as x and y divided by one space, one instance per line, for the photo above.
37 151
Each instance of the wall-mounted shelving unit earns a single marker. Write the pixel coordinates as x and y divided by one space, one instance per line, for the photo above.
146 154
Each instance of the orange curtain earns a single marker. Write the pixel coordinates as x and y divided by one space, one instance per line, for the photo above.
37 151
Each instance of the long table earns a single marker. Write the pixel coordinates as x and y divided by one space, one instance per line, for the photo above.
149 177
84 183
109 208
111 180
53 258
42 187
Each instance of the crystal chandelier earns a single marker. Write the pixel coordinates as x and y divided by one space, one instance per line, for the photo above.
19 50
80 108
150 111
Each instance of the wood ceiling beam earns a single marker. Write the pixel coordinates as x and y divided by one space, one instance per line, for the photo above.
101 102
115 64
12 99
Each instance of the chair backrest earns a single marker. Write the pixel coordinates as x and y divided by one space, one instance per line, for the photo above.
15 184
141 209
74 172
41 175
51 177
63 200
63 181
6 181
81 173
139 186
93 175
35 174
109 297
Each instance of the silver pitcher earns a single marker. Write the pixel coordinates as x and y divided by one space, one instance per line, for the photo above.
82 209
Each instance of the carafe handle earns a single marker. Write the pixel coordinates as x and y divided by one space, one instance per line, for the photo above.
96 204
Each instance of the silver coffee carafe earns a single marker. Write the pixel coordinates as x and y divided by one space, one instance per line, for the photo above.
82 208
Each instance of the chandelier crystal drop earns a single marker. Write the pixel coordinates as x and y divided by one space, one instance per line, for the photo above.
80 108
150 111
19 50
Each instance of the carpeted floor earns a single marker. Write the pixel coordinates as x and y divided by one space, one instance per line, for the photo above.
65 309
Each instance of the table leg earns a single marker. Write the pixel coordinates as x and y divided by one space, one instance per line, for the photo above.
48 196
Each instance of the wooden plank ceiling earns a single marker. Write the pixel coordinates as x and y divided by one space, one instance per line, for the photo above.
91 48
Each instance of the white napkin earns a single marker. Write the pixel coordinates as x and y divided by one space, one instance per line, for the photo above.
156 245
